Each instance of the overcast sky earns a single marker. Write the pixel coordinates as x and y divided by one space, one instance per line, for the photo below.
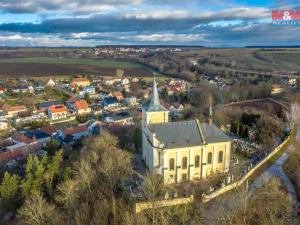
214 23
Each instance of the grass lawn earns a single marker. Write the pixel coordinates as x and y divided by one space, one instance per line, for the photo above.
52 93
66 124
159 78
50 60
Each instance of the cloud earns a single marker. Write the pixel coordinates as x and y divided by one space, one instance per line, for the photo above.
159 21
33 6
96 22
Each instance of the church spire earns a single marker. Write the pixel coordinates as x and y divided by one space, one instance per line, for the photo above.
155 96
210 112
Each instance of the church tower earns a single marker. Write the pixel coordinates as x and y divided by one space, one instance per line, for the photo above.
152 113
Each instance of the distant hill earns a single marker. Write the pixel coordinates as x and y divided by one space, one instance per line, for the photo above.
274 46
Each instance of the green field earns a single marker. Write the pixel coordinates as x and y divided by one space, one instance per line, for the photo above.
284 59
74 61
262 59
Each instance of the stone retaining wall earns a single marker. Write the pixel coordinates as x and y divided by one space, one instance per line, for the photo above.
140 206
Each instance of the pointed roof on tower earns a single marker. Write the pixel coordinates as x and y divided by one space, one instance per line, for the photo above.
155 96
154 105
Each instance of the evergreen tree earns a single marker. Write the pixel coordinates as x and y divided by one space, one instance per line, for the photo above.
9 190
52 147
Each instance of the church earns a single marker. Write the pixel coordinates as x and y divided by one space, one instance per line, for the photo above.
182 151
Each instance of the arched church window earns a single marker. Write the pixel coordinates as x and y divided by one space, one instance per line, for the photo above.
209 158
171 164
220 156
197 161
184 162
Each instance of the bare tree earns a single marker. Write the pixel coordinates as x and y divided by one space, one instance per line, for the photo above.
37 211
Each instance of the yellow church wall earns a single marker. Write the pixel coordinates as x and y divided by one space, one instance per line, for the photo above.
157 117
172 176
178 154
217 166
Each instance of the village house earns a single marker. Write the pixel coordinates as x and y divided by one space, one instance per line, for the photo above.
38 135
3 125
52 131
46 105
120 118
182 151
1 89
131 101
118 95
135 79
28 117
57 112
20 89
110 102
277 89
51 83
17 147
38 87
90 90
12 111
72 134
176 86
20 147
94 127
97 108
80 82
292 81
78 106
111 80
125 81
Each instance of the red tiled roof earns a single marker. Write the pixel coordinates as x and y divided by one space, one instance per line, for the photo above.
6 156
57 108
75 130
49 130
22 138
117 94
82 104
15 108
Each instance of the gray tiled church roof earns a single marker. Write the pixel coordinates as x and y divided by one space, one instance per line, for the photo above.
187 134
177 134
213 134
